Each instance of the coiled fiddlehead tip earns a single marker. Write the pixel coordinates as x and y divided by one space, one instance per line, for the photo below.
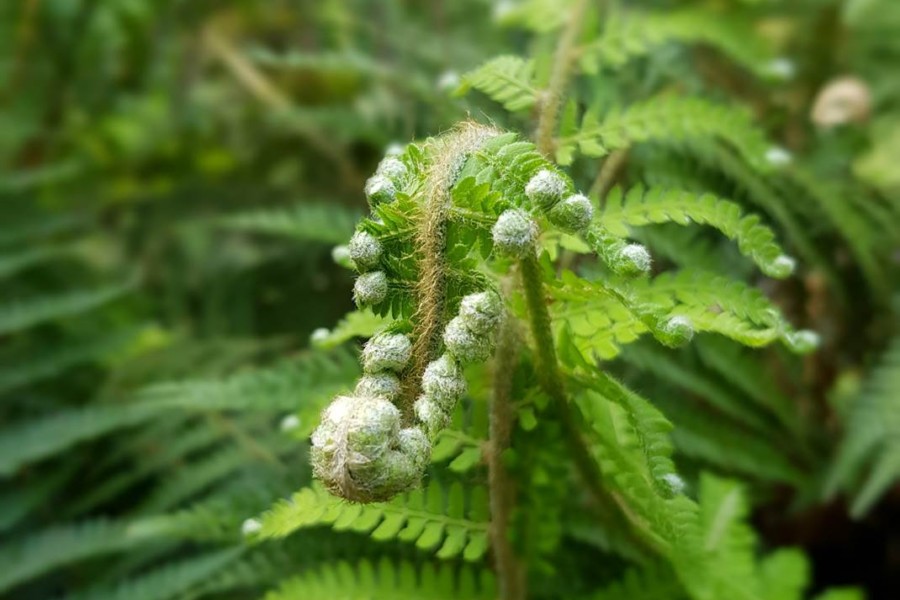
443 382
481 312
370 289
545 189
360 453
573 214
365 250
631 259
392 168
515 233
676 331
465 345
379 385
386 352
379 189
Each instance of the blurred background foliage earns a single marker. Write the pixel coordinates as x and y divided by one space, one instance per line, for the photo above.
174 175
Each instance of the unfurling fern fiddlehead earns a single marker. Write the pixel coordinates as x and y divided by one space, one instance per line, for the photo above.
473 188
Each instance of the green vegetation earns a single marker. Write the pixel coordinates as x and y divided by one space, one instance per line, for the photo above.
569 299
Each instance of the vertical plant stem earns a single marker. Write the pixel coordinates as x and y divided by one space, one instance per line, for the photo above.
510 574
559 79
551 379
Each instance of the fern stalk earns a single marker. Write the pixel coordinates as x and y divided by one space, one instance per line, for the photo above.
510 574
559 79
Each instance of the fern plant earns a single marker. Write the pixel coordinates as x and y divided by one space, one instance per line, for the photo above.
458 253
623 321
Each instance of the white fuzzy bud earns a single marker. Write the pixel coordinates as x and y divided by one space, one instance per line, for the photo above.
386 352
515 233
676 331
431 415
380 189
675 483
448 81
781 267
443 382
341 256
250 526
370 289
782 68
464 345
545 189
778 157
379 385
290 422
392 168
481 312
573 214
803 341
632 259
365 250
414 443
394 149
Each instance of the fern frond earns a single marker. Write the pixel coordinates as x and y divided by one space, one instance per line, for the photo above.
654 582
201 473
14 262
52 362
639 206
669 118
167 581
601 317
861 236
506 79
758 188
452 521
21 314
628 35
318 376
312 222
727 446
872 433
387 580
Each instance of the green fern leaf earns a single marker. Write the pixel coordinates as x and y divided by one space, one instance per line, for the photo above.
633 34
312 222
640 206
506 79
386 580
451 522
872 431
22 314
670 118
319 376
167 581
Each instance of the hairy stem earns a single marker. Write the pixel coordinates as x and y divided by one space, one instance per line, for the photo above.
251 79
431 286
510 573
551 379
559 79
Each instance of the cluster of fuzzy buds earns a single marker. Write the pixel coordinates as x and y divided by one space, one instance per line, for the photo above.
547 191
516 231
469 337
359 451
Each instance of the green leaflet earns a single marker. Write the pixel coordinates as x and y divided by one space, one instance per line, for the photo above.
385 579
451 521
639 206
